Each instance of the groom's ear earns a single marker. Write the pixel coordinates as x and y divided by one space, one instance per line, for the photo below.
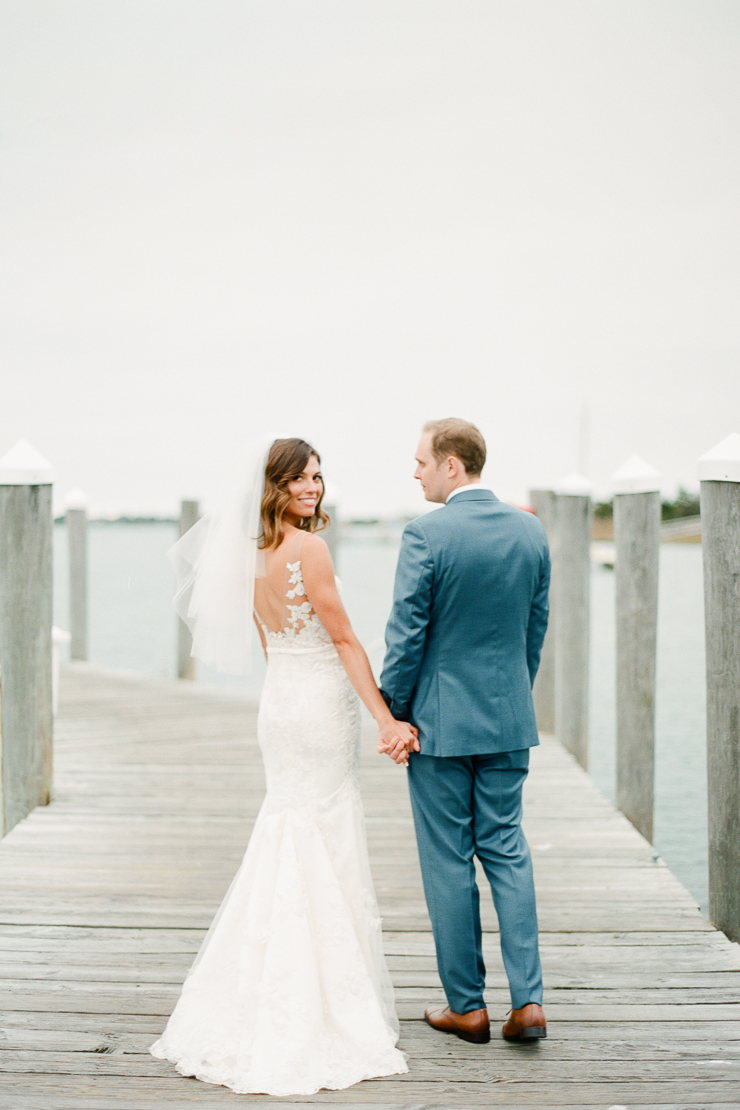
454 467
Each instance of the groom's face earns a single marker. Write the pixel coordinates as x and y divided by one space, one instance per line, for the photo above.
432 475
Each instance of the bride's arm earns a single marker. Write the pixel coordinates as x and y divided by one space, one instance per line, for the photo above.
321 589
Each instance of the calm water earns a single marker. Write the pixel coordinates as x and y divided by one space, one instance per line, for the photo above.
132 625
680 818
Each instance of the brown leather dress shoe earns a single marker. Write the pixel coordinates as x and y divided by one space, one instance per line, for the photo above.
526 1024
472 1026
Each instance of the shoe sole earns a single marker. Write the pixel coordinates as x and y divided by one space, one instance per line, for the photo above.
531 1033
473 1038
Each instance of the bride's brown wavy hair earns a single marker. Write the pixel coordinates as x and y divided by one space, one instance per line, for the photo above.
286 461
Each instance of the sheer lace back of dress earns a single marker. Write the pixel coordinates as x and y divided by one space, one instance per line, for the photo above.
281 603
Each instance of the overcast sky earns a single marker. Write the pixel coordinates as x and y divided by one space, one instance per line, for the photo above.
337 220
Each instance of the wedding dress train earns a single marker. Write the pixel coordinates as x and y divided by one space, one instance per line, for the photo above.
290 992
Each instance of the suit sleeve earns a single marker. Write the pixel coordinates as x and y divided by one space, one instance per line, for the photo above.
405 634
538 614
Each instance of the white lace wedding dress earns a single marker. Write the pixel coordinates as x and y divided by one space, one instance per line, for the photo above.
290 992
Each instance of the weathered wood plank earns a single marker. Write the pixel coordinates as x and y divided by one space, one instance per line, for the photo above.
611 1037
74 1093
497 1064
407 972
599 1045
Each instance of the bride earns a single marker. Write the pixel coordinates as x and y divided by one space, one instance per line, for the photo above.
290 992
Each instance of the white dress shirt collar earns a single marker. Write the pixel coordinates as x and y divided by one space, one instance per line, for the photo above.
470 485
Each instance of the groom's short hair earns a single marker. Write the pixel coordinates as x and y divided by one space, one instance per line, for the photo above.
459 438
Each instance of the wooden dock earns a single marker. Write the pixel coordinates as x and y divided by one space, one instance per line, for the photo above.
106 893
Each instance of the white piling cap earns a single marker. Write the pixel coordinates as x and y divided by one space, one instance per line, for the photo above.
24 466
635 476
575 485
76 499
722 463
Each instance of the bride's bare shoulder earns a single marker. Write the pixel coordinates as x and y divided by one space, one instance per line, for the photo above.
314 544
315 551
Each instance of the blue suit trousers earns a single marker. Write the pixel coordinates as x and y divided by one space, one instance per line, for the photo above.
467 806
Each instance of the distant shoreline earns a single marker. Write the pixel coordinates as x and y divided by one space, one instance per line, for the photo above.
361 522
61 519
678 530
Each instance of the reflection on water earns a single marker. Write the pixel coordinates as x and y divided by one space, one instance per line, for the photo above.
132 625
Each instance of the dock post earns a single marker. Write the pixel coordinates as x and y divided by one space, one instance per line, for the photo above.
331 535
25 632
719 474
637 547
76 504
189 515
543 693
573 518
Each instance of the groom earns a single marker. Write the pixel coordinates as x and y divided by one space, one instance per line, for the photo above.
463 645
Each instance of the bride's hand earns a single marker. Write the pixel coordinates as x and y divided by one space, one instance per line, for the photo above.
396 739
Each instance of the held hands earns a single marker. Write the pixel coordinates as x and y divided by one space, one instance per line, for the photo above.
397 739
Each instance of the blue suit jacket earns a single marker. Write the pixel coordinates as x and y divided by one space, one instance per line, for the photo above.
465 633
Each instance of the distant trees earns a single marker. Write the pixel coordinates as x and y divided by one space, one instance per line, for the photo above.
684 503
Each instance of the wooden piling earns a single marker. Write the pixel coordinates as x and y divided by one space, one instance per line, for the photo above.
543 503
719 473
189 515
25 632
572 591
77 542
637 546
331 535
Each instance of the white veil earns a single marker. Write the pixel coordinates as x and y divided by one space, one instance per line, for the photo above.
216 563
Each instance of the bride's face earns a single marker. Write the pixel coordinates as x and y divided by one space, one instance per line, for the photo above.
305 489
